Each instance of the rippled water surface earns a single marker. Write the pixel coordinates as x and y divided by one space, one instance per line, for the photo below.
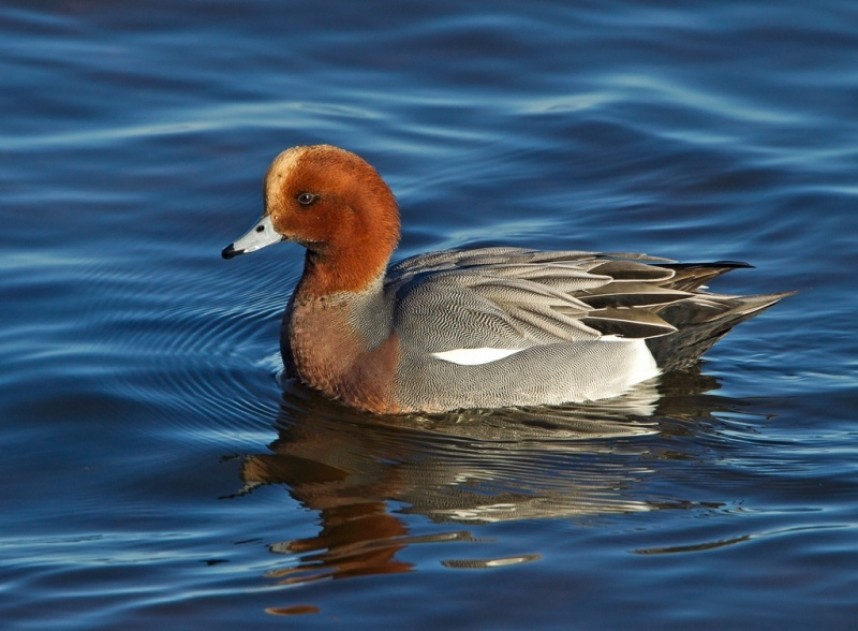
156 473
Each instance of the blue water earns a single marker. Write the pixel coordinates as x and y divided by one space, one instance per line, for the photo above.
156 474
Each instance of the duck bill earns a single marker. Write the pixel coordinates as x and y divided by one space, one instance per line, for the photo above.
262 234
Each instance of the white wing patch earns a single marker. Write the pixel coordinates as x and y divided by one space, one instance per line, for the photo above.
475 356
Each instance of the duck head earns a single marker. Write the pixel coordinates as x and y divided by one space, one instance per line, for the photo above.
336 205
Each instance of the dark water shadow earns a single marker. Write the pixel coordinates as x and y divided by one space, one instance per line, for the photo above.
365 474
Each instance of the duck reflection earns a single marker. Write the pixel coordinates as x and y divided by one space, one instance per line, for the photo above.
364 474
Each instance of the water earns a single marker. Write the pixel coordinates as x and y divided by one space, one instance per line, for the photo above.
155 473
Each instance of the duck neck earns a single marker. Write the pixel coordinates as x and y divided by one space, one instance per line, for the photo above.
328 273
331 322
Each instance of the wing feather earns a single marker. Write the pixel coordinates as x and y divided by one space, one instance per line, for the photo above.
513 298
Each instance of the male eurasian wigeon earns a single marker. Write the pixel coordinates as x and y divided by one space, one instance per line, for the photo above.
480 328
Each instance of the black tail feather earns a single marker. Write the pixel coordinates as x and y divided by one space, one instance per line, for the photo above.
701 321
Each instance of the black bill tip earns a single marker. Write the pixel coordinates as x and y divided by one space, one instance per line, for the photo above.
229 251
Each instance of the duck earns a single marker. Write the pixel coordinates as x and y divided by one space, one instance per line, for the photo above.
488 327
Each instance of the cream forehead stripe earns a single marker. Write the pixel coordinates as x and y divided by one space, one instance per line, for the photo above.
279 171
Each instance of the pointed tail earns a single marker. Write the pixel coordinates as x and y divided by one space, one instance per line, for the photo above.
701 321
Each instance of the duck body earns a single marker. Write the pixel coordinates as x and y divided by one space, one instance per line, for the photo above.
478 328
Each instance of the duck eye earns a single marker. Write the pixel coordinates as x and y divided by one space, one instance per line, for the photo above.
305 199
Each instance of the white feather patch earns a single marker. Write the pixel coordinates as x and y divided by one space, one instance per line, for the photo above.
475 356
641 364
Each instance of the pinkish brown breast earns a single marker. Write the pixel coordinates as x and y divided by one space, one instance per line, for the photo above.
322 348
